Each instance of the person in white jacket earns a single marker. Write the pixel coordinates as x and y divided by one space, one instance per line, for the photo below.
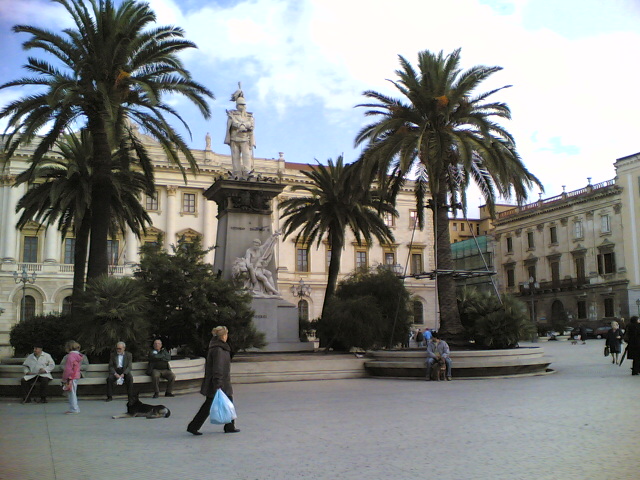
37 368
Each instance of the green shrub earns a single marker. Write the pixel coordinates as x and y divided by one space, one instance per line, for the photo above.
492 324
112 310
369 310
354 322
187 300
51 330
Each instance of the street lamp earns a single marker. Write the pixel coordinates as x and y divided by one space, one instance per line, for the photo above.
24 278
301 290
638 304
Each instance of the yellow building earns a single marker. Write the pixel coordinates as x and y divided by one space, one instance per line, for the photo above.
180 209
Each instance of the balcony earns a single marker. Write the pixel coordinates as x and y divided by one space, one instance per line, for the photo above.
557 285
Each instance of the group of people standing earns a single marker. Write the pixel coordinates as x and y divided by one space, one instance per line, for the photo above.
39 365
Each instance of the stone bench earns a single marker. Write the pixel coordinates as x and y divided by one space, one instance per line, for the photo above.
465 363
189 373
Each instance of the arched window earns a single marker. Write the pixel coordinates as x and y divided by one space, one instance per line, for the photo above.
418 316
28 308
66 305
303 310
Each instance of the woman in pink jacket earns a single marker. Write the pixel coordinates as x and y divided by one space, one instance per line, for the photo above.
72 364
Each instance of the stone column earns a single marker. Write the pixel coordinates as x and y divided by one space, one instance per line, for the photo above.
3 195
10 252
207 228
131 252
52 245
170 226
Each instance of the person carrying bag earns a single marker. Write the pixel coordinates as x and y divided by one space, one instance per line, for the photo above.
217 378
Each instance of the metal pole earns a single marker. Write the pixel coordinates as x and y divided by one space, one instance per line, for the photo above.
24 288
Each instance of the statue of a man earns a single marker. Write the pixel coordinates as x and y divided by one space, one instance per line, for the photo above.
256 260
239 136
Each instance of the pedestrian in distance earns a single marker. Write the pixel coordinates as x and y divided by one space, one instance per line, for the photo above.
632 337
614 341
217 375
72 365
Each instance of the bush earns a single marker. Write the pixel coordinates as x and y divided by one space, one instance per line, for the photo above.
369 310
492 324
112 310
51 330
187 300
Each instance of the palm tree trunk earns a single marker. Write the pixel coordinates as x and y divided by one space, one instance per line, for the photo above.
334 270
100 201
79 264
450 325
332 282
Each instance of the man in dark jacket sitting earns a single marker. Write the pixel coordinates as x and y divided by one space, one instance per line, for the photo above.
159 368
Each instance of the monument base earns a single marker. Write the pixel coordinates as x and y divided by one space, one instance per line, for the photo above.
278 320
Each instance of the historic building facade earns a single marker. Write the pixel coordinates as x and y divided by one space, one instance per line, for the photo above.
574 257
179 209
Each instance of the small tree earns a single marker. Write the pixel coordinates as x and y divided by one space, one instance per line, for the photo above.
187 299
493 322
370 310
112 310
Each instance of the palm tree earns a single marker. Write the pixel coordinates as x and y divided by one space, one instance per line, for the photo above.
112 72
337 199
61 191
453 136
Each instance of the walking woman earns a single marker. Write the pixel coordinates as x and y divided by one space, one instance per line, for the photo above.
217 374
632 337
614 341
72 364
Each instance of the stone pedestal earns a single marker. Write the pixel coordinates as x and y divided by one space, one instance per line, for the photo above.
244 214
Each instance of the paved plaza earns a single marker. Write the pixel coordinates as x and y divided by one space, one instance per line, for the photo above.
579 423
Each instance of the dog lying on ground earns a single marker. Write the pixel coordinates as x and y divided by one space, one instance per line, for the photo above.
135 408
438 370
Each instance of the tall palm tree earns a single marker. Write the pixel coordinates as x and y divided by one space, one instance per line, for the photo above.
61 191
453 136
336 199
111 71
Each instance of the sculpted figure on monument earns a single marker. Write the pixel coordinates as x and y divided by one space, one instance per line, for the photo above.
253 267
239 136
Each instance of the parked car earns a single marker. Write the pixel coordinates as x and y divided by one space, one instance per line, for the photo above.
589 331
602 331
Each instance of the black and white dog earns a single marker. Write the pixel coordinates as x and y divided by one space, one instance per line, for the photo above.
135 408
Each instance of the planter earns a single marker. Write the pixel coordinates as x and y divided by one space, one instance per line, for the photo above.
465 364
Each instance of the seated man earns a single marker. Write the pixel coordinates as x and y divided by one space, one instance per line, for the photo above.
437 350
37 368
120 370
159 368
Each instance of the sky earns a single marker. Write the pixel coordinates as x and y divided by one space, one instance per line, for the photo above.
304 64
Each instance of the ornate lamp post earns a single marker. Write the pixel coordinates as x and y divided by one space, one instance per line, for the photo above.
301 290
532 286
24 278
638 305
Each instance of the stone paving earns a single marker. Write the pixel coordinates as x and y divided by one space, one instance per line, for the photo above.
579 423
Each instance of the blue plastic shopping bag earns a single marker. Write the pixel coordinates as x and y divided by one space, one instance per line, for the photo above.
222 410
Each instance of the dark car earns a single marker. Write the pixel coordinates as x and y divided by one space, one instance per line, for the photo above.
589 332
601 332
